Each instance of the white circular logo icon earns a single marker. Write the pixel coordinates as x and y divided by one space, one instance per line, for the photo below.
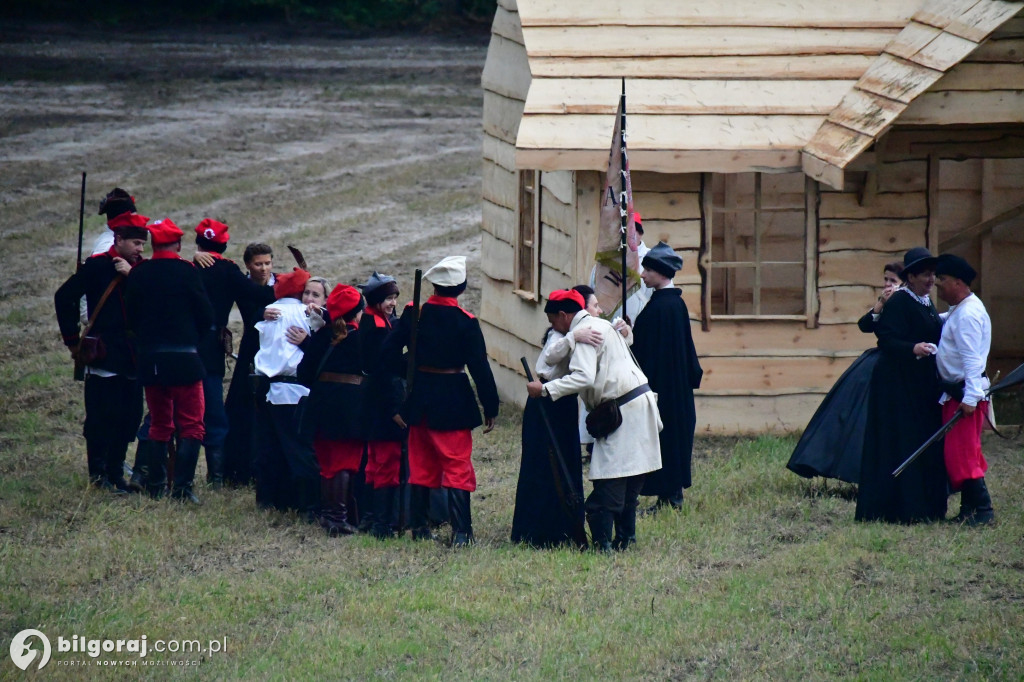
209 233
23 653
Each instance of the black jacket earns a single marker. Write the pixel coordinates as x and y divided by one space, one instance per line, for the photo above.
91 281
226 285
385 391
448 338
334 410
168 314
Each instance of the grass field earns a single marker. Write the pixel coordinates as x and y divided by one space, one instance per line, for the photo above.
366 154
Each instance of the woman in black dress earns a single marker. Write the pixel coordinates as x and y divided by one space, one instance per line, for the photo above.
903 408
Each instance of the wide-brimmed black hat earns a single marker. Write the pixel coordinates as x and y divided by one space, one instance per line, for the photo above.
955 266
915 260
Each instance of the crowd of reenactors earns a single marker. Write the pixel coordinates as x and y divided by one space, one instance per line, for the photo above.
343 407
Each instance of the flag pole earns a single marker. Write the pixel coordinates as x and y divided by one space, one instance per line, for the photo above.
623 204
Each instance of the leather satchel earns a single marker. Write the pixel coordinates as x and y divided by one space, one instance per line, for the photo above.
91 349
604 419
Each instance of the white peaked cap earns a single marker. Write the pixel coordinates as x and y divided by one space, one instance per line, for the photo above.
450 272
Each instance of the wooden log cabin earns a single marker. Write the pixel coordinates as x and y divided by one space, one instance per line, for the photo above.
787 150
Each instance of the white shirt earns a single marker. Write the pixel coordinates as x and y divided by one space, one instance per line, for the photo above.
964 346
279 357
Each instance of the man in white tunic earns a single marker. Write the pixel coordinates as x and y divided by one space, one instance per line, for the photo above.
961 359
601 373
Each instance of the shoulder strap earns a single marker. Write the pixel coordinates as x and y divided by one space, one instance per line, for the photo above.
99 306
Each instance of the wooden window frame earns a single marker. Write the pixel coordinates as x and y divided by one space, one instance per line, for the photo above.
810 254
526 265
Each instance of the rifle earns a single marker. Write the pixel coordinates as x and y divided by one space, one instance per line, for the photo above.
560 472
79 372
624 207
410 370
1012 379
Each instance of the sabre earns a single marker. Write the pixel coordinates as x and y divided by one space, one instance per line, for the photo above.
571 502
1012 379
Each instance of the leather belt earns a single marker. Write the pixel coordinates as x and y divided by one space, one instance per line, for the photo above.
339 378
635 393
284 380
441 370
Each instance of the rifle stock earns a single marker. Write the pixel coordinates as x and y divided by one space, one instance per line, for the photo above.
79 372
410 370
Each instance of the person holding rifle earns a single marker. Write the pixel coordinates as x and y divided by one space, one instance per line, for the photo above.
441 410
961 359
623 419
113 397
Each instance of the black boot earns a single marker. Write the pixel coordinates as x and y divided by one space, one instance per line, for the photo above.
625 527
673 502
307 497
601 523
156 480
384 512
461 517
185 470
419 501
140 472
95 453
115 457
983 512
215 466
337 516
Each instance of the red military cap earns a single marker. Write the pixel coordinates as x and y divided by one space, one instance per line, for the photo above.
164 232
563 300
291 284
127 220
343 300
215 231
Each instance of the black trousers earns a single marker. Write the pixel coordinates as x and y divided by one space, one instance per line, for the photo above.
286 467
113 411
614 494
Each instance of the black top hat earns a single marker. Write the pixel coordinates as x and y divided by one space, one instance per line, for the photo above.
916 260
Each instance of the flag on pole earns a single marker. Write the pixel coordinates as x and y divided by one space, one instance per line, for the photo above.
616 217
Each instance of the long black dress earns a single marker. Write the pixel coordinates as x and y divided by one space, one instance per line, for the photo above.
663 346
903 411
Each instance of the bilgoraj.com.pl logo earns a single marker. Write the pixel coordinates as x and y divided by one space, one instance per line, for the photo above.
31 648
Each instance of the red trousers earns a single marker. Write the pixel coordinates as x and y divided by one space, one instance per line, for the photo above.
441 458
962 447
383 461
181 405
335 456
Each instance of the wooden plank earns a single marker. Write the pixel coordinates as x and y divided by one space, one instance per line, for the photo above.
944 52
982 19
845 205
981 76
822 171
1013 28
501 116
735 415
865 112
500 186
940 13
837 144
664 161
681 234
879 235
561 185
578 131
802 13
556 214
980 229
496 257
962 142
498 221
961 175
813 67
912 39
557 250
902 176
550 279
810 251
666 206
499 151
589 186
505 348
1009 50
844 268
502 308
685 96
846 304
966 107
687 41
506 70
644 181
770 375
506 25
897 79
764 337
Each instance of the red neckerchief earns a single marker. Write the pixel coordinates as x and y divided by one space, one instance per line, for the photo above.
166 255
352 325
379 320
447 301
214 255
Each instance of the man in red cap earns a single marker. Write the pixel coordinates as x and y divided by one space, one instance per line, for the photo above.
169 313
113 397
226 286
